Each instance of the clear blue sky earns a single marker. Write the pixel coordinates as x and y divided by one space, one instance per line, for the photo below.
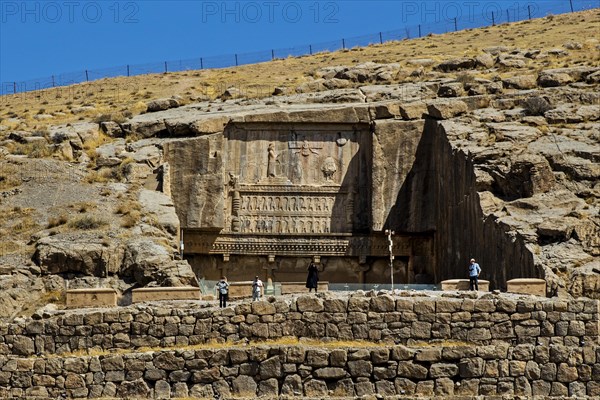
43 38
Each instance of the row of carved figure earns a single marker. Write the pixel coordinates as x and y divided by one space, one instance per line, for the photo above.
249 224
287 203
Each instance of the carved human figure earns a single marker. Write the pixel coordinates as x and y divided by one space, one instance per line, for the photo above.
260 203
272 159
270 205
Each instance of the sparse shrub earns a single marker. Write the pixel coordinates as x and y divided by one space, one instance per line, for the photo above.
465 77
124 169
91 145
60 137
25 225
9 177
115 117
536 105
37 149
84 206
54 222
131 219
101 176
87 222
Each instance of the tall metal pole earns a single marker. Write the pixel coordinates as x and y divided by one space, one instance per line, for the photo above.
389 234
181 245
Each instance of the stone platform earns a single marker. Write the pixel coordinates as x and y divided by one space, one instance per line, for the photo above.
300 287
97 297
533 286
165 293
463 284
239 290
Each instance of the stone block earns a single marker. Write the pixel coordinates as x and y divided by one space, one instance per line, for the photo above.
300 287
309 304
240 289
463 284
165 293
97 297
536 287
447 109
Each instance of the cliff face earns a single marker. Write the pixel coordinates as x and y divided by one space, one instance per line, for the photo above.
494 157
462 230
196 181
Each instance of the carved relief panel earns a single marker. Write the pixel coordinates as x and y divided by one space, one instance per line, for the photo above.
296 180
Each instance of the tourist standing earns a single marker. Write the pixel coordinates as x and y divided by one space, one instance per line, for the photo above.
256 288
223 288
312 280
474 271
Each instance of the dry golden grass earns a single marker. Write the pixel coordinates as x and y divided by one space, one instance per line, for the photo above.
9 176
281 342
32 150
16 227
87 222
53 222
127 95
9 246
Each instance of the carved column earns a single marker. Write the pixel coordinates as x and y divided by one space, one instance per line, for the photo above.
270 289
410 267
235 210
362 269
225 265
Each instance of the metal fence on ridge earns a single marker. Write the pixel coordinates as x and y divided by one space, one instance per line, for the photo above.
514 14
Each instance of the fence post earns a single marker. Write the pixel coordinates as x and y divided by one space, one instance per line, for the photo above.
529 11
571 3
380 38
166 70
236 60
87 76
310 49
507 15
343 44
201 63
493 19
53 85
272 54
127 69
419 30
15 87
455 25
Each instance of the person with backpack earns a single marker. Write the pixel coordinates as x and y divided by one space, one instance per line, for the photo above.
223 289
256 288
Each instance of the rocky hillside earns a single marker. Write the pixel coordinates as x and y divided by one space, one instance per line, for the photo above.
85 198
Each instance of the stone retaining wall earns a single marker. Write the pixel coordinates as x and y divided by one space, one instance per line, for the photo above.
297 371
400 320
422 346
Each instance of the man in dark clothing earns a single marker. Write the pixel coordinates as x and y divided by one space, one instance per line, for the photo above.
312 280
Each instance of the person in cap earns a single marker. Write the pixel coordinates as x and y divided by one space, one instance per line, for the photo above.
474 271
